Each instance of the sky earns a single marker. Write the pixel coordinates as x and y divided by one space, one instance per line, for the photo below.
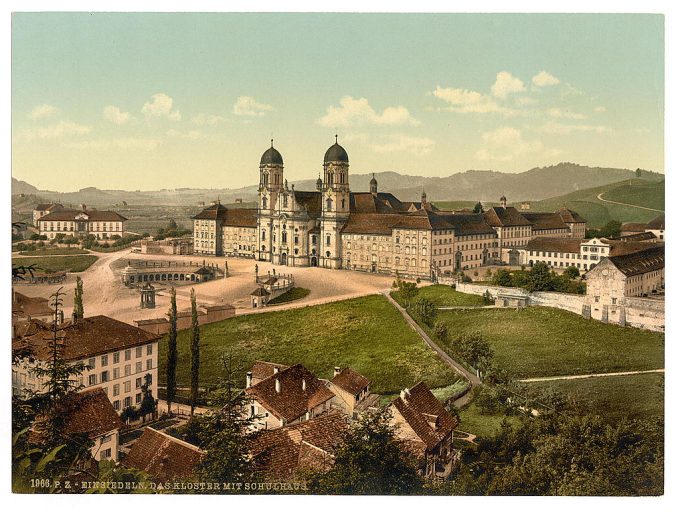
150 101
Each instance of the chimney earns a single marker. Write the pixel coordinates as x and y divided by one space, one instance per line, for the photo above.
336 371
249 379
83 207
404 394
278 385
304 384
307 415
276 369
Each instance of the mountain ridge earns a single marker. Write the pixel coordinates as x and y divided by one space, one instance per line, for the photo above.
534 184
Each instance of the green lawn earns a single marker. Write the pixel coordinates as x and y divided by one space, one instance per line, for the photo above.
367 334
613 398
291 295
482 425
445 296
58 263
649 194
58 251
539 342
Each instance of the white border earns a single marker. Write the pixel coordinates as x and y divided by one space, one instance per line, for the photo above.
671 12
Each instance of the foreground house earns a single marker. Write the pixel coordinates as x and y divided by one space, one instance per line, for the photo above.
350 389
285 397
426 429
27 308
89 414
117 355
162 456
281 453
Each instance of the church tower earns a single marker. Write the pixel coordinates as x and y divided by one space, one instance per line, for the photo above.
271 185
335 204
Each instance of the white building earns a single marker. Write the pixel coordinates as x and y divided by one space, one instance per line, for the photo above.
80 223
118 357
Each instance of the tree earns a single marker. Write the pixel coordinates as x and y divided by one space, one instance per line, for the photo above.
172 224
638 173
224 435
475 350
441 331
540 278
502 278
369 461
148 405
425 310
478 208
195 354
572 272
407 290
78 311
171 375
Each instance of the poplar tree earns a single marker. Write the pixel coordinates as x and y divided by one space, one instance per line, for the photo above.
195 353
78 311
171 376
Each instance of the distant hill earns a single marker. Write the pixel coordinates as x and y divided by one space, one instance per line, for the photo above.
534 184
633 191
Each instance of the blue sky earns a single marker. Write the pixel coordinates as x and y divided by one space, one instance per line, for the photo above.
148 101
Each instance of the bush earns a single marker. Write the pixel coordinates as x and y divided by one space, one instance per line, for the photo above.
425 311
441 331
502 278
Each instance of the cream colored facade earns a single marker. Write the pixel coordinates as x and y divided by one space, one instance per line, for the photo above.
80 225
119 373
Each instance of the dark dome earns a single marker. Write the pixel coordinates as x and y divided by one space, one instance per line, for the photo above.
373 180
336 153
272 157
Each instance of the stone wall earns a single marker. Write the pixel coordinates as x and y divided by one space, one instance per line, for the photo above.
644 313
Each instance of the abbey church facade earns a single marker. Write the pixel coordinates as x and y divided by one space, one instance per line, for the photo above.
333 227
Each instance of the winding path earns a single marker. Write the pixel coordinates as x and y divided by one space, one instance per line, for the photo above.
599 196
448 360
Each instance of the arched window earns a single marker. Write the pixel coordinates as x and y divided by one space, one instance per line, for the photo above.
284 237
314 239
329 204
413 262
328 239
343 203
264 235
264 202
397 260
265 179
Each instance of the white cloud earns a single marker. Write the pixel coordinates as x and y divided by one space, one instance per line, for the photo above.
564 114
247 106
116 115
207 120
506 84
600 109
390 143
161 106
358 112
117 143
55 131
544 79
566 129
42 112
464 101
506 143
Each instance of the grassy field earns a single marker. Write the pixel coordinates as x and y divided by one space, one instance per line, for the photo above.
539 342
598 213
445 296
76 263
367 334
614 398
59 251
649 194
295 293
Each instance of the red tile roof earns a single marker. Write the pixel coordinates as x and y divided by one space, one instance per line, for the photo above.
292 402
350 381
240 217
87 413
497 217
633 227
163 457
264 369
640 262
555 244
425 415
570 216
212 212
87 338
23 305
546 221
657 222
280 453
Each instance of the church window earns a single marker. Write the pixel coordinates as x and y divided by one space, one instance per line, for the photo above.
264 235
396 260
264 202
328 254
297 240
329 204
328 239
343 204
266 179
285 200
284 237
314 239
